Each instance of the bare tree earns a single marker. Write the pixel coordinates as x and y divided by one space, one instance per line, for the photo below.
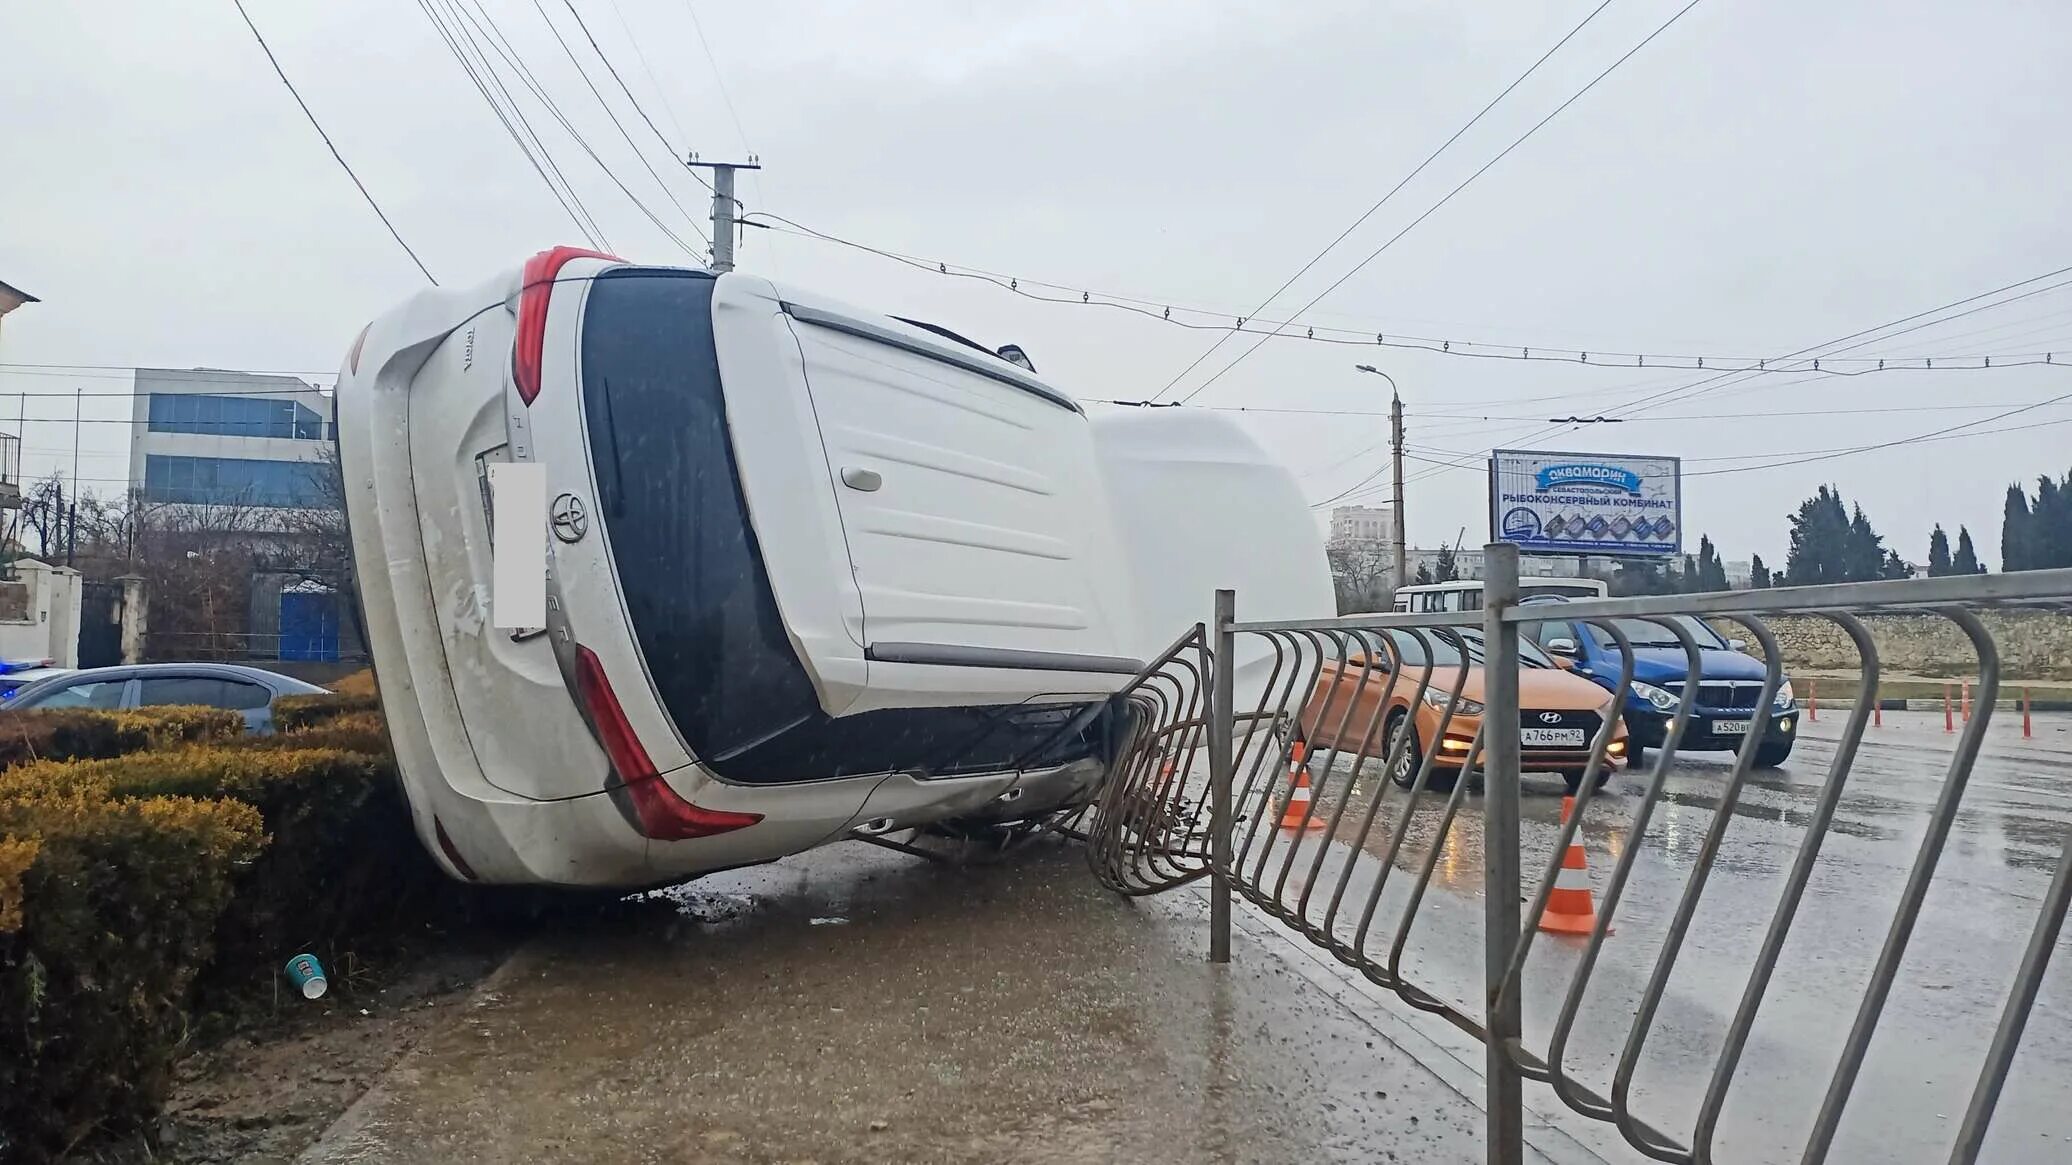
43 512
1360 576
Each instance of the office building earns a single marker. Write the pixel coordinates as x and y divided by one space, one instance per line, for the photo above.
203 437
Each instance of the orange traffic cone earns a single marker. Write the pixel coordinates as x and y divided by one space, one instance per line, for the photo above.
1570 909
1299 797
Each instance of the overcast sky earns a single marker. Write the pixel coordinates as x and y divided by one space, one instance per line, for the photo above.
1766 175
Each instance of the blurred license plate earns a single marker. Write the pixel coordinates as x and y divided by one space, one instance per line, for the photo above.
1730 728
1551 737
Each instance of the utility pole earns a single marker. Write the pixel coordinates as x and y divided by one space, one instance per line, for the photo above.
1396 443
77 395
1402 564
723 206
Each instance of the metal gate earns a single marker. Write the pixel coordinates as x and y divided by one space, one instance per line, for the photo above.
1291 762
100 624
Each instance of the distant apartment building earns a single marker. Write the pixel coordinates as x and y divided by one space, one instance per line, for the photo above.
1363 526
203 437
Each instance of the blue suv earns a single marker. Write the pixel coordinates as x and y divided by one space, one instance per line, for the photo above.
1728 688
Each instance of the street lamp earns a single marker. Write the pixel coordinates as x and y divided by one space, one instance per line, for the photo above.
1396 447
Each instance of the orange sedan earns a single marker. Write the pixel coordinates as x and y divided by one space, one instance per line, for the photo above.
1559 713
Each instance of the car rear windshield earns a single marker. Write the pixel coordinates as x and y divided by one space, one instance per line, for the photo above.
692 573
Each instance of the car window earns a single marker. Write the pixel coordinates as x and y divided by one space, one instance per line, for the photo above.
1648 633
94 694
205 691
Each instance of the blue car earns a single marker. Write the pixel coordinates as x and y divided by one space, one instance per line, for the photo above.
1728 688
248 691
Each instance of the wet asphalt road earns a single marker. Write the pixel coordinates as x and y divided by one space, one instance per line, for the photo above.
1922 1064
856 1005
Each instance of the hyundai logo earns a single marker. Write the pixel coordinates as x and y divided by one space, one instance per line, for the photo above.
1550 717
568 518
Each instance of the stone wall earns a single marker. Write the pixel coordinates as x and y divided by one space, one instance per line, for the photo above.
2034 645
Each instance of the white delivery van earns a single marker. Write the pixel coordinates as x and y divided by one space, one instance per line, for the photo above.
812 569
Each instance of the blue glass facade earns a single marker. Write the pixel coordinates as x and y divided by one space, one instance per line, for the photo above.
233 481
234 416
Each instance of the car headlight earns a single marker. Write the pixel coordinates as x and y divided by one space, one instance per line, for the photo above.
1785 698
1462 707
1662 699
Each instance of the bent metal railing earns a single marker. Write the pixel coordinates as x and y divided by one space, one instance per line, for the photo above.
1318 778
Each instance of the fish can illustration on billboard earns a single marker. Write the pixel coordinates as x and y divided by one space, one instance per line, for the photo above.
1615 504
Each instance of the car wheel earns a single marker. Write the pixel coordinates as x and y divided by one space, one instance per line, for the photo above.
1404 771
1770 755
1636 756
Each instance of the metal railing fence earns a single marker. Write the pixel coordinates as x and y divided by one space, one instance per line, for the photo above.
1320 769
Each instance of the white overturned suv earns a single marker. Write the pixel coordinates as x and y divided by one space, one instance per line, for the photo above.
811 569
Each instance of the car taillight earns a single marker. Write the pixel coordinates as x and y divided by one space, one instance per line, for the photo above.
535 288
662 814
452 851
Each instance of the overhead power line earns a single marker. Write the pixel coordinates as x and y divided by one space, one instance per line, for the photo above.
497 95
126 371
1735 416
654 82
1204 319
1880 334
638 154
1964 431
675 155
718 78
1449 196
1384 199
329 145
486 27
1857 339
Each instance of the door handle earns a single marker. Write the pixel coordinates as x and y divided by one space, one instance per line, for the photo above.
858 478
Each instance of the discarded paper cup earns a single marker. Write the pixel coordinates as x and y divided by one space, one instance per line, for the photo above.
308 976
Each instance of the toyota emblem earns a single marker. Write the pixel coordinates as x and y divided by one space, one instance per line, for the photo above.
569 519
1545 717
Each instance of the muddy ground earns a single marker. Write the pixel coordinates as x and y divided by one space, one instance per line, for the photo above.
265 1093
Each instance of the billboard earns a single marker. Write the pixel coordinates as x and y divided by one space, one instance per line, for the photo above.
1586 503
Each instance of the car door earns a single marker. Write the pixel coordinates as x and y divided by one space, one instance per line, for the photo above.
970 503
251 700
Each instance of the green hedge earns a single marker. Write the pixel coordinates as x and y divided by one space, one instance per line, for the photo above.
107 912
341 867
291 713
77 733
156 869
363 732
